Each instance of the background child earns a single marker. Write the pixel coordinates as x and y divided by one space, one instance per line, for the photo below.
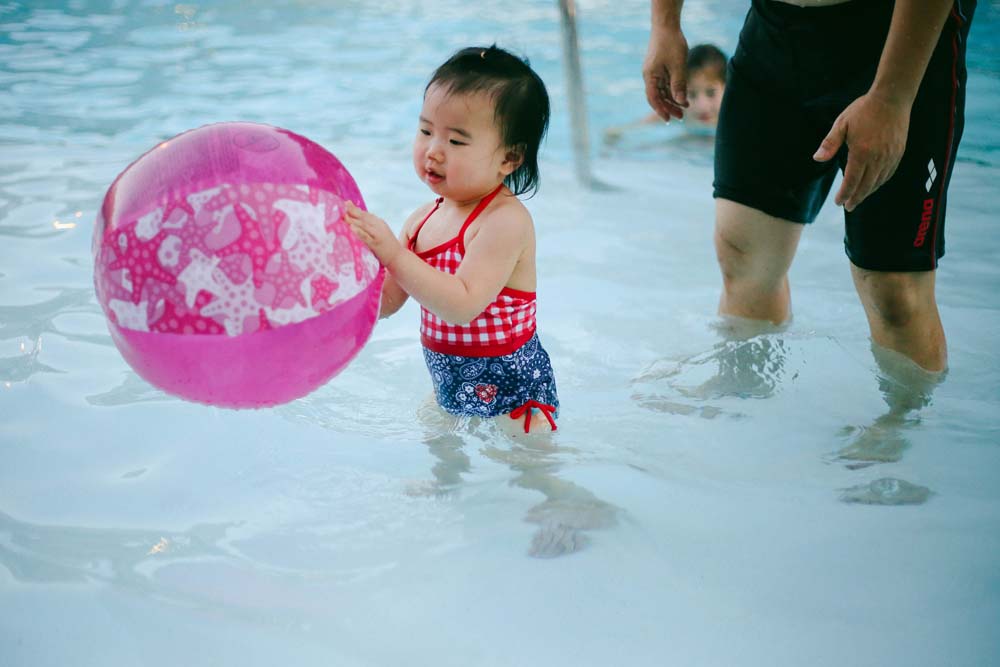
706 82
469 256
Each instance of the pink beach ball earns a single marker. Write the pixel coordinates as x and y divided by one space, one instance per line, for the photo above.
226 271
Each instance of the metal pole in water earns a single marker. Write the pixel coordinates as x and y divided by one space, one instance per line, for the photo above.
574 87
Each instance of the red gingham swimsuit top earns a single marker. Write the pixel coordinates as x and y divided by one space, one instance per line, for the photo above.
505 325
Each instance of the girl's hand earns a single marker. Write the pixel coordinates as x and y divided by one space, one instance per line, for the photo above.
374 233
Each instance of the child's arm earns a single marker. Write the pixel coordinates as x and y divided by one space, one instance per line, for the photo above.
394 296
489 261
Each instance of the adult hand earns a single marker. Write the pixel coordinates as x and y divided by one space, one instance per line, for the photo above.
374 233
874 129
665 72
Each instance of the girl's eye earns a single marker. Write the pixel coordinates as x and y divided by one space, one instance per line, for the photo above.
424 132
456 142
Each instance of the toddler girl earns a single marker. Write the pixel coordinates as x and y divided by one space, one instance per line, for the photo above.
469 256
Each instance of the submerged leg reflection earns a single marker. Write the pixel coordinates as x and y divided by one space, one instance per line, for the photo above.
906 389
748 363
568 511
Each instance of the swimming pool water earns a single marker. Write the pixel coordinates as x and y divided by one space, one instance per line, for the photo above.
695 507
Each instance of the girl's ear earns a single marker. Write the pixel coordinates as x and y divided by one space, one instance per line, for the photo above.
512 159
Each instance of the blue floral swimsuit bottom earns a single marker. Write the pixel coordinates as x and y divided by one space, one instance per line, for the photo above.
515 383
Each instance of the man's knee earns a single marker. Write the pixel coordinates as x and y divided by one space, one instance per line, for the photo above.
745 264
733 254
753 247
897 299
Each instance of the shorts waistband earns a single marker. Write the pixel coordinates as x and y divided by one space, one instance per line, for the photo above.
787 16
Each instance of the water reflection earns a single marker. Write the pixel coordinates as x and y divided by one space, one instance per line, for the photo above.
906 389
33 320
751 365
748 363
195 568
22 366
887 491
38 553
569 511
29 322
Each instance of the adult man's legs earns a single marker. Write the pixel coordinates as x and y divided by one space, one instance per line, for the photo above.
755 251
902 314
909 347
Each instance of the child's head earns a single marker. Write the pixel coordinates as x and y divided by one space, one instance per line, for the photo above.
491 81
706 80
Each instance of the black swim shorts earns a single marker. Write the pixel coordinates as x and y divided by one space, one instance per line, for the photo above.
795 69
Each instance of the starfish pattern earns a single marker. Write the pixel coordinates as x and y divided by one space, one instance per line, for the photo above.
250 245
173 202
322 288
139 258
199 275
180 320
156 294
303 219
265 324
234 303
287 281
129 315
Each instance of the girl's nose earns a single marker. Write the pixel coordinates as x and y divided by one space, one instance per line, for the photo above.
435 151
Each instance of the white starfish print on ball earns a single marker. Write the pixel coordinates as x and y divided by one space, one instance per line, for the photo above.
199 275
130 315
312 254
147 226
293 315
303 218
169 252
235 303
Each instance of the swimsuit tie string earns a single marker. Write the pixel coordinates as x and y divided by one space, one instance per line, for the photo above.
525 410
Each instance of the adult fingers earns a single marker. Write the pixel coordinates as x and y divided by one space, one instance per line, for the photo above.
657 104
660 97
868 183
678 89
854 173
832 142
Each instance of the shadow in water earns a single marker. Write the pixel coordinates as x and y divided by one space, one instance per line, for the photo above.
132 390
568 512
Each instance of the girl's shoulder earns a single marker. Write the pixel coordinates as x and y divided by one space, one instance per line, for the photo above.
505 222
509 209
417 217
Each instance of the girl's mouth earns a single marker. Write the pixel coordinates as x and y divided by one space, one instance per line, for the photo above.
432 176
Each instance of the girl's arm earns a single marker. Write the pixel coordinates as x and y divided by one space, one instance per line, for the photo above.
490 259
394 296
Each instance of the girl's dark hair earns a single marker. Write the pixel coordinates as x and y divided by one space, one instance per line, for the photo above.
707 56
521 104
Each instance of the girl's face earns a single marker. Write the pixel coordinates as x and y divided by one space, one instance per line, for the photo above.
705 96
457 151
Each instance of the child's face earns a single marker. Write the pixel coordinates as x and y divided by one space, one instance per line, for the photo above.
457 151
705 97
